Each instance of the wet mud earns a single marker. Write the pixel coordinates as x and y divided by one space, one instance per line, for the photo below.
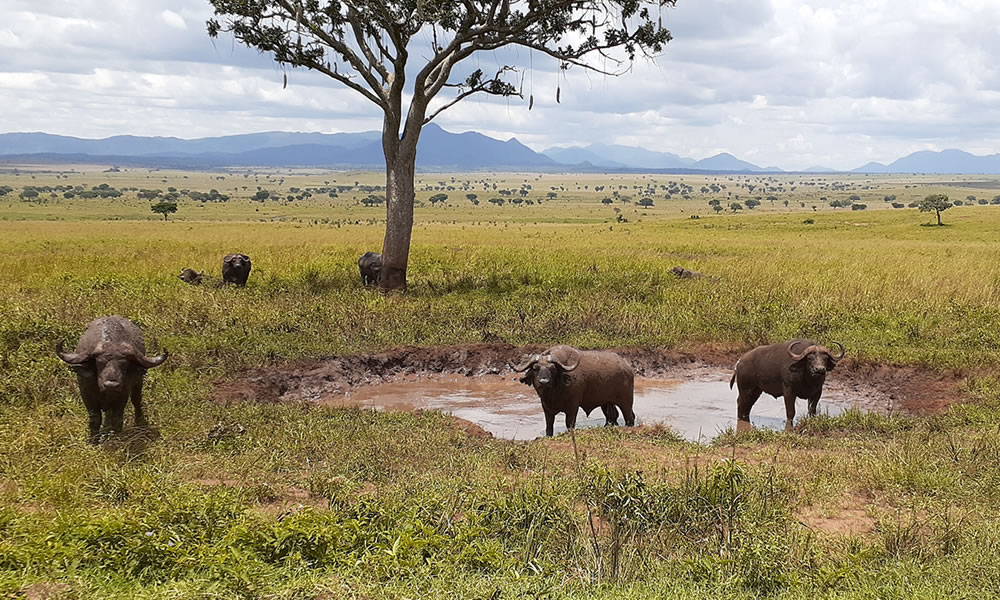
687 391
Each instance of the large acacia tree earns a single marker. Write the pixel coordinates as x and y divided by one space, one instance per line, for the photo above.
366 44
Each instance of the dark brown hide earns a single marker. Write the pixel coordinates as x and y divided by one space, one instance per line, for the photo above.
792 369
370 265
190 276
110 362
236 269
567 379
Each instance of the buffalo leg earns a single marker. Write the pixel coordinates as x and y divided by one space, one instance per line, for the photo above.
94 425
116 417
550 421
813 405
629 415
140 414
610 414
571 418
745 402
789 397
91 400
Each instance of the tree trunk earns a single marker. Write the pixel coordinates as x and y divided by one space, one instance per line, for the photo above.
939 217
399 197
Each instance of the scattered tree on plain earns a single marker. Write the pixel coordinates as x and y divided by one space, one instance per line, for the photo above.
164 207
367 47
935 203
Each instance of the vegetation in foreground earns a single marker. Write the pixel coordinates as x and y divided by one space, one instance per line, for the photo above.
254 500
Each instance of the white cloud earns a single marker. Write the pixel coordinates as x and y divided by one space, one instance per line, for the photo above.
792 83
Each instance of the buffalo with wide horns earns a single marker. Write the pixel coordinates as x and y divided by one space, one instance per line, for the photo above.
236 269
110 362
567 379
793 369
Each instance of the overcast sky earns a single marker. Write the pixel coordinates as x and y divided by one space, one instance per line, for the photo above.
787 83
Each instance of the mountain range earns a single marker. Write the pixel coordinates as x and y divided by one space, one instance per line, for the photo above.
438 150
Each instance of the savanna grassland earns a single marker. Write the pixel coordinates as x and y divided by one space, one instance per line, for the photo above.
264 500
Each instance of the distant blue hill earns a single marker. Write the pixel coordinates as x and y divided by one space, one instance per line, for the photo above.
438 150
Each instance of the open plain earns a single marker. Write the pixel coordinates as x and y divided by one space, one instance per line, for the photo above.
245 486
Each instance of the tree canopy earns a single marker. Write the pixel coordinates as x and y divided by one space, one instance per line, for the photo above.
367 45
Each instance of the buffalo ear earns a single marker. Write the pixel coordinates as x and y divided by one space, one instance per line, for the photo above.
831 362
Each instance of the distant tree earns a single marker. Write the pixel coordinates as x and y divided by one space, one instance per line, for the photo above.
164 207
735 206
970 199
717 208
786 203
857 206
898 205
935 203
473 198
752 203
645 202
606 201
551 195
853 198
983 201
436 198
714 202
262 195
995 200
28 194
772 199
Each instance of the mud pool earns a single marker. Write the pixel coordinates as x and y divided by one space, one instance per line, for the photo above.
698 408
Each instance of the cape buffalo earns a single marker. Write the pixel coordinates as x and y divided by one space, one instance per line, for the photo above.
370 265
236 269
793 369
682 273
110 362
190 276
567 379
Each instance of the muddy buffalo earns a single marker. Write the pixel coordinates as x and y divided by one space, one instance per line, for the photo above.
110 362
567 379
190 276
370 265
793 369
236 269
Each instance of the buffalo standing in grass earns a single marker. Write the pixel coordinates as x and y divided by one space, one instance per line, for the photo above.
236 269
794 369
191 276
370 265
110 362
567 379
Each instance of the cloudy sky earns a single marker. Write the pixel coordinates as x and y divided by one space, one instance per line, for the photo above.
789 83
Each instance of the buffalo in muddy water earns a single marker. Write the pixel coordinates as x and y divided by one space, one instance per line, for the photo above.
794 369
370 265
190 276
110 362
567 379
236 269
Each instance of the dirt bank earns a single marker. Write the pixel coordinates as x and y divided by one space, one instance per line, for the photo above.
908 390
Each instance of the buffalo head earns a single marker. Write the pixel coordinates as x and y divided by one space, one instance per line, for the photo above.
109 364
544 371
190 276
815 359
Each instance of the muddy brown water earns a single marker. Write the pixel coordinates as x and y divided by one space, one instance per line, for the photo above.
698 406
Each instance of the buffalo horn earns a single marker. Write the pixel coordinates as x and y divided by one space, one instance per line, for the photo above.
797 357
525 365
565 367
842 351
73 359
147 362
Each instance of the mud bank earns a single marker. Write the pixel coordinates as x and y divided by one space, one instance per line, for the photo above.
688 391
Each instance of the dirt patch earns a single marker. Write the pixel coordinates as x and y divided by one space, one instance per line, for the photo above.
850 516
48 591
908 390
